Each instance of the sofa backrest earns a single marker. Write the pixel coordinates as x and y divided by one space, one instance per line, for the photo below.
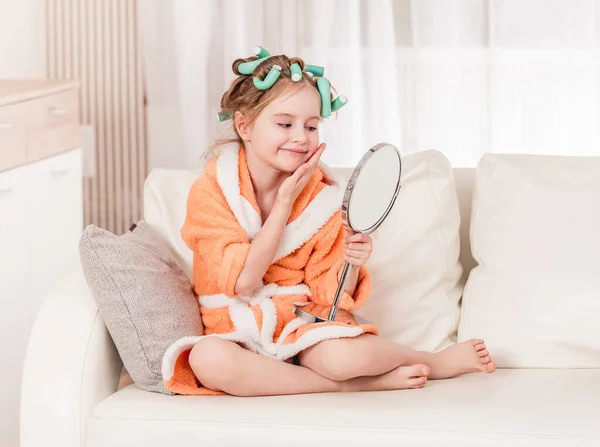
464 179
165 194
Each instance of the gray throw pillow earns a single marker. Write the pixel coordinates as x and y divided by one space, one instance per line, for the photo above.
143 295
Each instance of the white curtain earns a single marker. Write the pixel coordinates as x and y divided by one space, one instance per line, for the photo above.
504 76
189 46
462 76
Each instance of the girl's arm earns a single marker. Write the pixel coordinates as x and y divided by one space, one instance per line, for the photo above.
351 280
324 266
264 246
233 262
262 251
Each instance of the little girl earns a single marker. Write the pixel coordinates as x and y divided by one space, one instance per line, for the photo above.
264 224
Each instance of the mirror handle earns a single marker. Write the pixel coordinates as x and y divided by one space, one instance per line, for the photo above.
339 291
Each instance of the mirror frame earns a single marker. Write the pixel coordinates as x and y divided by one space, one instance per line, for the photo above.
352 182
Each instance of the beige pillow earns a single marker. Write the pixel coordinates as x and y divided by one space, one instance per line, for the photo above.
144 297
415 269
535 233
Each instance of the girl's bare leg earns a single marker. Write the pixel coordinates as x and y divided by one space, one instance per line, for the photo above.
224 366
371 355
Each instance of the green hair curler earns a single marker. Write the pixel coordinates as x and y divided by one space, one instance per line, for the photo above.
325 92
224 116
249 67
338 103
296 72
315 70
267 83
261 52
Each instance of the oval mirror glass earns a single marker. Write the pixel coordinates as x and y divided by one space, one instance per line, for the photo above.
373 188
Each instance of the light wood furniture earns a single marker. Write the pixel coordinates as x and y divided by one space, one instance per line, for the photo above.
37 119
41 215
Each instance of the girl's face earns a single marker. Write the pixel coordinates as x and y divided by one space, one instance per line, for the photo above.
285 134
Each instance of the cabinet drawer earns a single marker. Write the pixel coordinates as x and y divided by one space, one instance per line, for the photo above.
53 124
13 135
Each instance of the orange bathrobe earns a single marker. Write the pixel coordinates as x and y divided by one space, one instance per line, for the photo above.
222 220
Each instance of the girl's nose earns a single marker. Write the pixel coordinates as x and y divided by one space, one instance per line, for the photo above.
299 137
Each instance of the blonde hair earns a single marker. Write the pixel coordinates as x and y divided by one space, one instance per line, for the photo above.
243 96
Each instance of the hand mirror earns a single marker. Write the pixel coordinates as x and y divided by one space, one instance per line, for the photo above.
370 196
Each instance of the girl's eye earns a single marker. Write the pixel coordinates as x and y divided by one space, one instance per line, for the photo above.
311 128
286 126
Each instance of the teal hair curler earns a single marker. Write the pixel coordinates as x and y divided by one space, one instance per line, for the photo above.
261 52
315 70
325 92
224 116
296 72
249 67
338 103
267 83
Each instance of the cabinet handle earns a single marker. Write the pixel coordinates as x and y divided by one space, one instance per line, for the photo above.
57 173
4 126
55 111
5 190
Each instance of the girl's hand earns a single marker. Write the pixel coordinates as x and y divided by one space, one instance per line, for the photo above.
295 183
358 249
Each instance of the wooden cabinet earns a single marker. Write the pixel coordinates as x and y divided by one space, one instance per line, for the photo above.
41 215
55 216
13 135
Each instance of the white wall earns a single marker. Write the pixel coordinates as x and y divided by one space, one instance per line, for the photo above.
22 55
22 39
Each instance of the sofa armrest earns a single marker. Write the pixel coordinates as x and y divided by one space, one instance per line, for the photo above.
71 364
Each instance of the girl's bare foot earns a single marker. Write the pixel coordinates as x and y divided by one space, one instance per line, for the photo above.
401 378
463 358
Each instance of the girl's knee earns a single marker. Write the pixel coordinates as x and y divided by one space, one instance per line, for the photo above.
212 361
332 359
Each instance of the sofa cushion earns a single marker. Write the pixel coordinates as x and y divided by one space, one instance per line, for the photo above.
416 273
165 204
535 294
143 296
521 408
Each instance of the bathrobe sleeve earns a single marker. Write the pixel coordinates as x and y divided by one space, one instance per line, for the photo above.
213 233
324 264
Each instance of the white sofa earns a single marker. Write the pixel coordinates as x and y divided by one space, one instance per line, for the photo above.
72 370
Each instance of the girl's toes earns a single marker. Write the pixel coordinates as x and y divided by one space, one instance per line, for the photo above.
424 371
490 367
483 353
417 382
486 365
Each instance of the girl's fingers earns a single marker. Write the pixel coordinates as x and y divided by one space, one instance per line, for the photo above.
357 254
358 237
306 176
302 175
362 246
314 160
353 261
300 172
